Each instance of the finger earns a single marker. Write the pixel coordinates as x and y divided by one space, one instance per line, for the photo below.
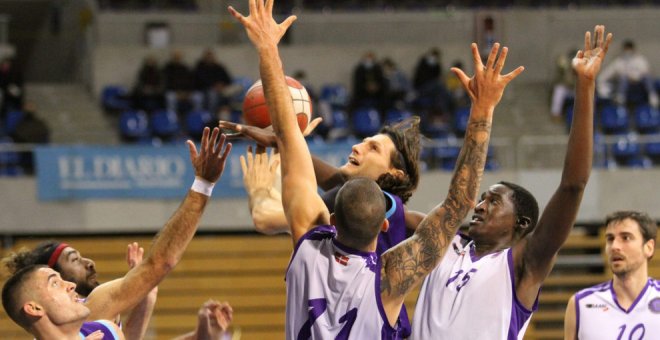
260 150
235 14
269 6
227 151
215 146
587 41
288 22
192 149
205 141
253 6
608 40
501 60
513 74
312 125
600 30
274 165
462 77
476 57
579 54
229 125
250 157
221 140
244 167
492 56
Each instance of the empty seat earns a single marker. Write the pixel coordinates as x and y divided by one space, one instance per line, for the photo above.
335 94
647 119
196 121
366 122
134 126
614 119
115 98
164 124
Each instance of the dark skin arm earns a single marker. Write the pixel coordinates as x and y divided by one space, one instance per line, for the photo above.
534 256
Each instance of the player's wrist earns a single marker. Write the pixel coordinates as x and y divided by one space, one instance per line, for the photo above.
202 186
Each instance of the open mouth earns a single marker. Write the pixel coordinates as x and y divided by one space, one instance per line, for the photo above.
353 161
476 219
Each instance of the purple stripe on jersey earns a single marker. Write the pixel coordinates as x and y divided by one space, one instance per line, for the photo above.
387 332
370 258
317 233
581 295
100 325
655 283
639 297
520 314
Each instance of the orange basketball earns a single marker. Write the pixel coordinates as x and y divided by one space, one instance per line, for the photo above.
255 110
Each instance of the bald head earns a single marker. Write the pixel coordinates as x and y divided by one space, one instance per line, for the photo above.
360 211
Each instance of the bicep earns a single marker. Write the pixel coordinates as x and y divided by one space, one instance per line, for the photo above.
569 320
305 212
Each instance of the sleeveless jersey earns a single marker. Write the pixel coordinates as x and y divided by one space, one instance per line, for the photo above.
333 292
394 235
599 315
104 326
466 297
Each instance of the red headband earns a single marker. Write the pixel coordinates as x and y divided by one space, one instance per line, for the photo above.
56 254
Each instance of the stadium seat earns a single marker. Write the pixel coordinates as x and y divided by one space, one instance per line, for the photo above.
447 156
339 127
366 122
647 119
243 84
8 158
460 120
12 119
335 94
164 124
652 150
134 126
640 162
625 149
196 121
614 119
395 115
114 98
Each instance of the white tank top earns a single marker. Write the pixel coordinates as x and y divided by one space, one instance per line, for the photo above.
470 298
599 315
333 292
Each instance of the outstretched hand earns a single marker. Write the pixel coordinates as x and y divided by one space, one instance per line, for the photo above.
486 86
260 26
587 62
216 316
258 170
263 137
134 255
209 163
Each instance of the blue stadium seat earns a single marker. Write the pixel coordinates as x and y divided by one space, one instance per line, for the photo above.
639 162
243 83
335 94
134 126
461 117
115 98
447 156
647 119
395 115
614 119
625 149
8 158
12 119
366 122
196 121
164 124
653 151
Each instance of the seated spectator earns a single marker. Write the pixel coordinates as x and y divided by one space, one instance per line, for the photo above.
432 100
398 85
369 84
628 79
214 81
148 89
11 87
563 86
453 85
180 84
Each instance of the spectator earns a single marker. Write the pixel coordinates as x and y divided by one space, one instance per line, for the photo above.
428 70
369 84
214 81
432 100
11 87
453 85
563 85
148 89
33 130
398 85
180 84
628 79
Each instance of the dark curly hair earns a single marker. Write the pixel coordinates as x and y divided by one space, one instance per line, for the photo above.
406 138
647 226
525 204
25 257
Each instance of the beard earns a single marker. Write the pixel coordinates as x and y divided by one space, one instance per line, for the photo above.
85 288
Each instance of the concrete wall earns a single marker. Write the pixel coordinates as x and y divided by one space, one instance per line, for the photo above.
22 213
329 45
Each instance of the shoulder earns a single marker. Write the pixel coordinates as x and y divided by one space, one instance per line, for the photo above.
109 329
601 287
317 233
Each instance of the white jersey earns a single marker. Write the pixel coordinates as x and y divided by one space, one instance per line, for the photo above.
599 315
333 292
470 298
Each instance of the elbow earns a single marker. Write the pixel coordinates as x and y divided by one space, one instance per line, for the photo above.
575 187
161 266
264 224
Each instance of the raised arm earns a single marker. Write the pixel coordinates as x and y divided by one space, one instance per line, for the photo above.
114 297
534 256
138 319
570 320
264 201
407 264
303 207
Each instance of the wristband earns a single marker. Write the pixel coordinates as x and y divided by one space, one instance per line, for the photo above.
202 186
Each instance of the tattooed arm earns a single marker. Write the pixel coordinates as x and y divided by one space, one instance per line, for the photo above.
406 265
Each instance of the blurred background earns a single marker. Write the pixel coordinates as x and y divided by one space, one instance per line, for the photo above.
98 97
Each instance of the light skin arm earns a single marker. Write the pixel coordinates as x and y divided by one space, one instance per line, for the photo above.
407 264
115 297
265 202
413 218
213 320
303 207
569 320
138 319
534 256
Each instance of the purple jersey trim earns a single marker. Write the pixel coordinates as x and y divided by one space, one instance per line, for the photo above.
370 258
317 233
581 295
520 314
639 297
387 332
102 325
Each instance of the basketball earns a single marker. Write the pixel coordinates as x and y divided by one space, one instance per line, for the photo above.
255 110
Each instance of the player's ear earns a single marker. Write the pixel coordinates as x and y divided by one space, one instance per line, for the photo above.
397 173
523 222
385 226
32 308
649 248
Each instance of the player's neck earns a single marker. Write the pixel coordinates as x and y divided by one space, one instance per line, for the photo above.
371 248
48 330
628 287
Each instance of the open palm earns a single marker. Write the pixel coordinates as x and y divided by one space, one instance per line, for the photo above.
587 62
